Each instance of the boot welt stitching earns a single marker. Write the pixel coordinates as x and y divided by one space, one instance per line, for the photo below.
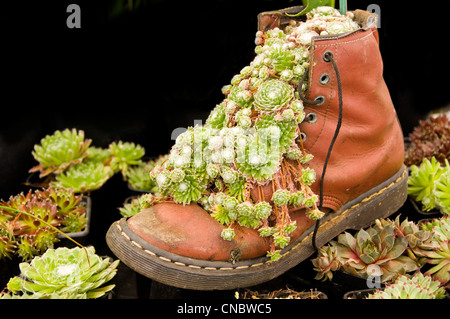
268 261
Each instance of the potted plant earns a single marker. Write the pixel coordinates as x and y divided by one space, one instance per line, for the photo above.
418 286
30 223
429 184
63 273
66 159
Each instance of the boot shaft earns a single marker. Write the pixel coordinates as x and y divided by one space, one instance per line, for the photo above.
369 147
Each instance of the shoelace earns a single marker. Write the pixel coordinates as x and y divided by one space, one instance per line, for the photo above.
327 57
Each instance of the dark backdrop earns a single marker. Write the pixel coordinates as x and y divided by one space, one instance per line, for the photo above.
136 75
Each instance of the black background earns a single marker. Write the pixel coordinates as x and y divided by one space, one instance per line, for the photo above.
136 76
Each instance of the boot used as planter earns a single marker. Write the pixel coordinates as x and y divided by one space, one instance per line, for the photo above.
338 165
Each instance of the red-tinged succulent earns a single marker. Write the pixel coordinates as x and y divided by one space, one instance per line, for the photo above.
60 150
431 138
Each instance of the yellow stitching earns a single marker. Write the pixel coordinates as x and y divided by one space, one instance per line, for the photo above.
136 244
268 261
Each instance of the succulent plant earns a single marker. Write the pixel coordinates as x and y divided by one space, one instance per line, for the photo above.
138 176
84 177
64 272
125 154
250 139
429 184
60 150
418 286
437 251
378 245
137 204
431 138
69 206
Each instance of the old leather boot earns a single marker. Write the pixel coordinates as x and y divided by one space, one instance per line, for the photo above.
352 130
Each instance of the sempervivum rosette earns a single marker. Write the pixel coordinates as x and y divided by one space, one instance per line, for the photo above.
60 150
273 95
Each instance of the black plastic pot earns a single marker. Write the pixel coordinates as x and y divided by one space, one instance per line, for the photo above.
80 236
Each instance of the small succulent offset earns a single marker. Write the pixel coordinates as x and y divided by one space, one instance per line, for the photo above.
76 273
251 139
431 138
60 150
418 286
138 176
429 184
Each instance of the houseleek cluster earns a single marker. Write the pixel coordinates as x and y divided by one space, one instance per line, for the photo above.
429 184
69 160
26 236
252 139
394 247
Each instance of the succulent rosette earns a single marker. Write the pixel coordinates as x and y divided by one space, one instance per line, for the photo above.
250 139
84 177
76 273
273 95
60 150
379 245
125 154
418 286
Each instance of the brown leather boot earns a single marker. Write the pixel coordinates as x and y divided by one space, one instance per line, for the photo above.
352 130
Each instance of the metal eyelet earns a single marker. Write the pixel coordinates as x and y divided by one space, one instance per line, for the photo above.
324 78
303 136
327 56
319 100
311 118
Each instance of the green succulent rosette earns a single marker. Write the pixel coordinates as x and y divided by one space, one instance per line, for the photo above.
84 177
273 95
76 273
60 150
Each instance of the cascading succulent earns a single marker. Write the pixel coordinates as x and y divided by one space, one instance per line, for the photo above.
60 150
418 286
250 139
76 273
138 176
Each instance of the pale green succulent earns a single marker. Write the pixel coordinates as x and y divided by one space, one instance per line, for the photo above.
437 251
125 154
415 287
273 95
442 192
84 177
60 150
76 272
421 182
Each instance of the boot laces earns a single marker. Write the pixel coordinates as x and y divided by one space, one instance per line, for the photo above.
327 57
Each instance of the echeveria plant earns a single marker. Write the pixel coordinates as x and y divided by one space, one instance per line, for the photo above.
252 139
76 273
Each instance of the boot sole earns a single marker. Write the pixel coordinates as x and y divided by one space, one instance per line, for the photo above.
188 273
